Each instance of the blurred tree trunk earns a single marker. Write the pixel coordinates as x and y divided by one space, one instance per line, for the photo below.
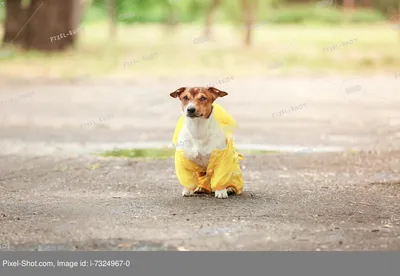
349 4
171 20
79 9
209 17
249 10
43 25
367 3
398 7
112 13
14 21
50 25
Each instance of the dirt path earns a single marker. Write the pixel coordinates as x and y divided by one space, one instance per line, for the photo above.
50 200
291 202
349 111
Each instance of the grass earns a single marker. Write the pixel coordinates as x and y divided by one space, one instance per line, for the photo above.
165 53
141 153
161 153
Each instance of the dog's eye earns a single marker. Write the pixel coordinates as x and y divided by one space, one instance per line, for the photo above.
203 98
185 98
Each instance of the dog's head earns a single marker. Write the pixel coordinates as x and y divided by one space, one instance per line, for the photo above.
197 101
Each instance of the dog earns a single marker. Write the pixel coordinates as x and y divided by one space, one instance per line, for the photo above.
205 159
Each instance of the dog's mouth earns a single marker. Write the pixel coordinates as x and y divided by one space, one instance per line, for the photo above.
194 115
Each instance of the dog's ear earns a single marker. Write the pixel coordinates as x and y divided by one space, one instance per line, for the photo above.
177 92
217 92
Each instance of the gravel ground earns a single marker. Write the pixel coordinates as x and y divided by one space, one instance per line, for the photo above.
69 200
290 202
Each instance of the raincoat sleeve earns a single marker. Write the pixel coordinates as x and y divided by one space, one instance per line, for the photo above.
226 121
178 128
185 171
226 170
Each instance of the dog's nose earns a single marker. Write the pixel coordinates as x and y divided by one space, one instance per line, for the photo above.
191 110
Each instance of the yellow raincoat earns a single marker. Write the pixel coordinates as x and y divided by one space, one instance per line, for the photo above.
223 170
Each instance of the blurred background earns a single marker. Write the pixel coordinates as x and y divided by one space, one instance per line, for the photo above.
313 85
99 73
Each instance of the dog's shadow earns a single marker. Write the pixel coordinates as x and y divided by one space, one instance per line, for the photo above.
208 198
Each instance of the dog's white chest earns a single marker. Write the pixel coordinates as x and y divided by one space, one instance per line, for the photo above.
201 159
199 138
198 152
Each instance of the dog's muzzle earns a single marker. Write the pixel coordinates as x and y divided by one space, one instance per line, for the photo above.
191 112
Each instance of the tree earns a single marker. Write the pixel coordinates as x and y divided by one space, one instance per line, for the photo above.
112 13
172 16
13 25
249 9
42 25
209 17
367 3
349 4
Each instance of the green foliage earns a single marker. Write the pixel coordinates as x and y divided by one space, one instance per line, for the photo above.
142 11
190 11
366 16
141 153
232 11
2 14
387 6
323 15
294 14
95 13
327 15
275 11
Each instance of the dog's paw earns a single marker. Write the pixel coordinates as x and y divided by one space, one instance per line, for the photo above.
231 191
187 192
200 191
221 194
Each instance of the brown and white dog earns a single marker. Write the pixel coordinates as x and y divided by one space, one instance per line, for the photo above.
201 133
